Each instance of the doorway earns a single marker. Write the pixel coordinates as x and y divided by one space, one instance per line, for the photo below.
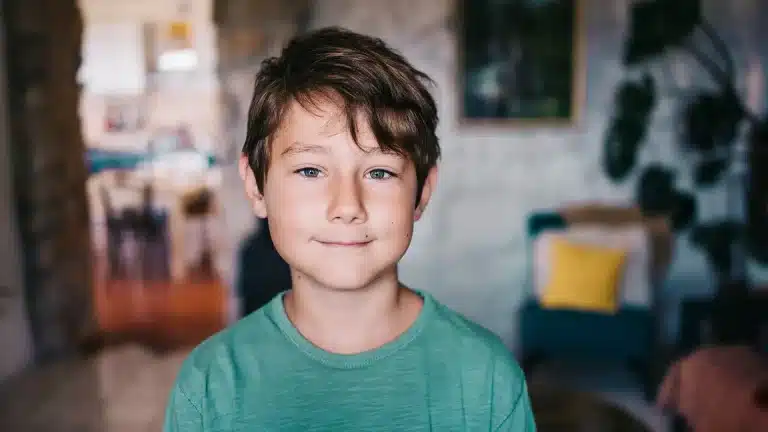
150 122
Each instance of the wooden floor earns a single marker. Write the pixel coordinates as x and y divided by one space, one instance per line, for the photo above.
159 314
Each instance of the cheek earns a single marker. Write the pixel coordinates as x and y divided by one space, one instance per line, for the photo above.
288 214
288 199
400 233
393 216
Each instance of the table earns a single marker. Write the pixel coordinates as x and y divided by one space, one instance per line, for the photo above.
557 409
169 195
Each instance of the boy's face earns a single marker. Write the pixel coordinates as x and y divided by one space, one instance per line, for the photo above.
340 216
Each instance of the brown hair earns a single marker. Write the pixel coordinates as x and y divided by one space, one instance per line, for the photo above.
363 76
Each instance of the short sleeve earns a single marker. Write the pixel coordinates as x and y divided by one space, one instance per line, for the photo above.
520 419
181 415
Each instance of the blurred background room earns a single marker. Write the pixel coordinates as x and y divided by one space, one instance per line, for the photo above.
602 203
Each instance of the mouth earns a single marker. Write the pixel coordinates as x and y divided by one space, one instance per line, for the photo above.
345 244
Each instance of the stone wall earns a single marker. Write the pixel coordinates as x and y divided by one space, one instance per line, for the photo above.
470 249
43 46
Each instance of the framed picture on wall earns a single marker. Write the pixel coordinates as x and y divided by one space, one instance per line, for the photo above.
520 61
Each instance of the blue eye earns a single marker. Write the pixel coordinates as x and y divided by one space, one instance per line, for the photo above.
380 174
308 172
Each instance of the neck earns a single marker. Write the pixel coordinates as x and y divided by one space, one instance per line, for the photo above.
351 321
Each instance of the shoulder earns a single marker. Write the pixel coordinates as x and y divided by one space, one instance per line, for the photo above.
247 330
470 336
214 367
483 353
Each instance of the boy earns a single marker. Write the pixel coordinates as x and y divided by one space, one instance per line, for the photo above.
341 155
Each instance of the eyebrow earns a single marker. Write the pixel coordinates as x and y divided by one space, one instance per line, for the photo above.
298 147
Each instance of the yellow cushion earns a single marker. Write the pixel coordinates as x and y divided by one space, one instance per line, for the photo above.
584 277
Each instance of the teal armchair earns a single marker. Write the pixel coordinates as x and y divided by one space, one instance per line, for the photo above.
628 336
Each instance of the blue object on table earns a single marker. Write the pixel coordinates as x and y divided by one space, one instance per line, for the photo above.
99 160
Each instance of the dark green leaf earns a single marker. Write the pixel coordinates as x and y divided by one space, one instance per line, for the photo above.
757 190
619 151
634 103
655 192
709 172
658 25
758 134
757 243
637 97
717 231
684 211
716 240
711 121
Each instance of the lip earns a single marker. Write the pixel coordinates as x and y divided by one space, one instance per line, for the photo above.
345 244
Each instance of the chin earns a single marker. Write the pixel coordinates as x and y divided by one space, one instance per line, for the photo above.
346 282
347 279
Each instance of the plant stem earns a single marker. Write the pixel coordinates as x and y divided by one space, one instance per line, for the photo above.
710 66
722 79
719 45
669 76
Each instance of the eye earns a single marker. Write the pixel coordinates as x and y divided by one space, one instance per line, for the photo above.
380 174
308 172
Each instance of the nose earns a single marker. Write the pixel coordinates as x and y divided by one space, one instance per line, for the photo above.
346 203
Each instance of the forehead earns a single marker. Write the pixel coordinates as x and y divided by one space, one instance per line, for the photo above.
322 123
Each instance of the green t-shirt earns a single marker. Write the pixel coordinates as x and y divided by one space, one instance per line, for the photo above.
444 373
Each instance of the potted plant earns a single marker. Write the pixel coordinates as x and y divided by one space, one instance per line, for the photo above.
710 136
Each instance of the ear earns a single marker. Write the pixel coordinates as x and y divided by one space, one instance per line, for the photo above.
251 188
426 193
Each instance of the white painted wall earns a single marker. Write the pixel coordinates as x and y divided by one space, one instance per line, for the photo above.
130 14
114 63
113 58
143 10
15 336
